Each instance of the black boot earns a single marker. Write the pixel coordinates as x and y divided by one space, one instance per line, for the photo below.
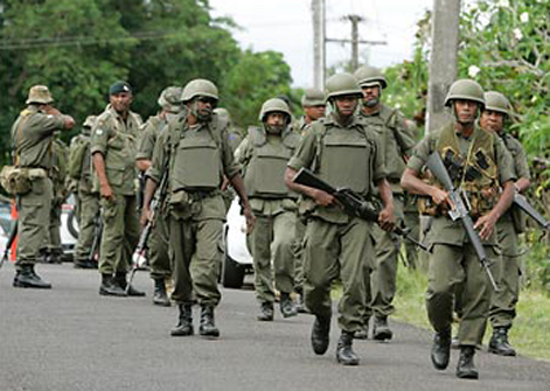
266 312
185 323
108 288
364 332
159 296
381 331
26 277
465 368
301 306
320 335
441 349
287 306
344 349
499 343
120 280
84 264
208 327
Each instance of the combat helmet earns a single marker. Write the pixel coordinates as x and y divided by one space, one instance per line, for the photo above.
39 94
313 97
369 76
495 101
274 105
170 99
342 84
199 87
223 114
465 89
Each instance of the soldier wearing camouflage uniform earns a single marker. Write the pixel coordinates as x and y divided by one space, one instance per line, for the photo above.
157 245
113 149
478 163
509 226
264 154
343 151
194 152
88 200
32 136
390 125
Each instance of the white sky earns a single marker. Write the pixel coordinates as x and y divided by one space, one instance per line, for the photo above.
286 26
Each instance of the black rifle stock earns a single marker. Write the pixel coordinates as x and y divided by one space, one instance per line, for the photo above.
11 239
353 203
460 210
521 202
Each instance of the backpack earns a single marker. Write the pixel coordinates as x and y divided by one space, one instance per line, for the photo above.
79 147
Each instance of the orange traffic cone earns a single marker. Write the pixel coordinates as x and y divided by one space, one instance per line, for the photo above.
14 217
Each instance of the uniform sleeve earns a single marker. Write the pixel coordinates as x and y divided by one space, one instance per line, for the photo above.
420 155
230 165
505 162
100 136
146 143
520 162
407 140
379 169
160 156
305 153
45 124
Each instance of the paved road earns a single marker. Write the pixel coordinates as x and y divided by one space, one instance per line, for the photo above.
71 339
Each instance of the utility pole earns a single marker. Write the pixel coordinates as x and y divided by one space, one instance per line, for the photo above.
319 56
443 60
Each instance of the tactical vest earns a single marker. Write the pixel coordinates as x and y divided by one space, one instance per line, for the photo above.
264 177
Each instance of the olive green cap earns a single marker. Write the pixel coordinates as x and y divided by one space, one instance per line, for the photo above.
274 105
199 87
465 89
313 97
370 76
495 101
170 99
90 121
342 84
39 94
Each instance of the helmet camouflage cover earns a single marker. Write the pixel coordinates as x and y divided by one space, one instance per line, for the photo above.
170 99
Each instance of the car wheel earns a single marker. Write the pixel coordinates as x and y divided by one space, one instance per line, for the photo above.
72 224
232 274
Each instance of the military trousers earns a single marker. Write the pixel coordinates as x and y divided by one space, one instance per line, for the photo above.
34 215
120 233
412 221
157 249
88 211
54 233
271 240
331 251
503 308
298 251
452 268
196 260
383 277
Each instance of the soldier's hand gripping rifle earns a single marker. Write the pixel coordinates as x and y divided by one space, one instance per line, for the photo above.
521 202
11 239
138 258
460 210
352 203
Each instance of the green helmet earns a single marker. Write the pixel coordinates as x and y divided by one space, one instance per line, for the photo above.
369 76
90 121
199 87
313 97
342 84
39 94
170 99
223 114
274 105
495 101
465 89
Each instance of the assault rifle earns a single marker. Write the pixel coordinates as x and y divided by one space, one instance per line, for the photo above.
521 202
460 210
93 256
138 258
352 203
11 239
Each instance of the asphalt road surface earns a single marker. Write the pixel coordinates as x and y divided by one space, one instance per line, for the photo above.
70 339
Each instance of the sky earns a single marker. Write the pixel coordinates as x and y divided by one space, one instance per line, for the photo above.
286 26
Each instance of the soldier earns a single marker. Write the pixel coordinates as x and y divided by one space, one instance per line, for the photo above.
157 245
32 136
80 170
398 142
264 154
313 104
478 163
503 309
345 153
194 152
113 149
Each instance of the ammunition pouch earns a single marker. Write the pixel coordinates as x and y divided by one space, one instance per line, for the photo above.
18 180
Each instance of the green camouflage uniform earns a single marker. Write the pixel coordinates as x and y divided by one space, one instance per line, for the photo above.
116 140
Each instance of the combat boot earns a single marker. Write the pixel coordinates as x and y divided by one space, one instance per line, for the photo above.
381 331
120 280
301 306
465 368
266 311
344 350
441 349
208 327
499 343
320 335
26 277
288 309
84 264
185 323
108 288
364 332
159 296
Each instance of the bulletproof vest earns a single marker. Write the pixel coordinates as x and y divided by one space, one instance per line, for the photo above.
345 158
265 172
